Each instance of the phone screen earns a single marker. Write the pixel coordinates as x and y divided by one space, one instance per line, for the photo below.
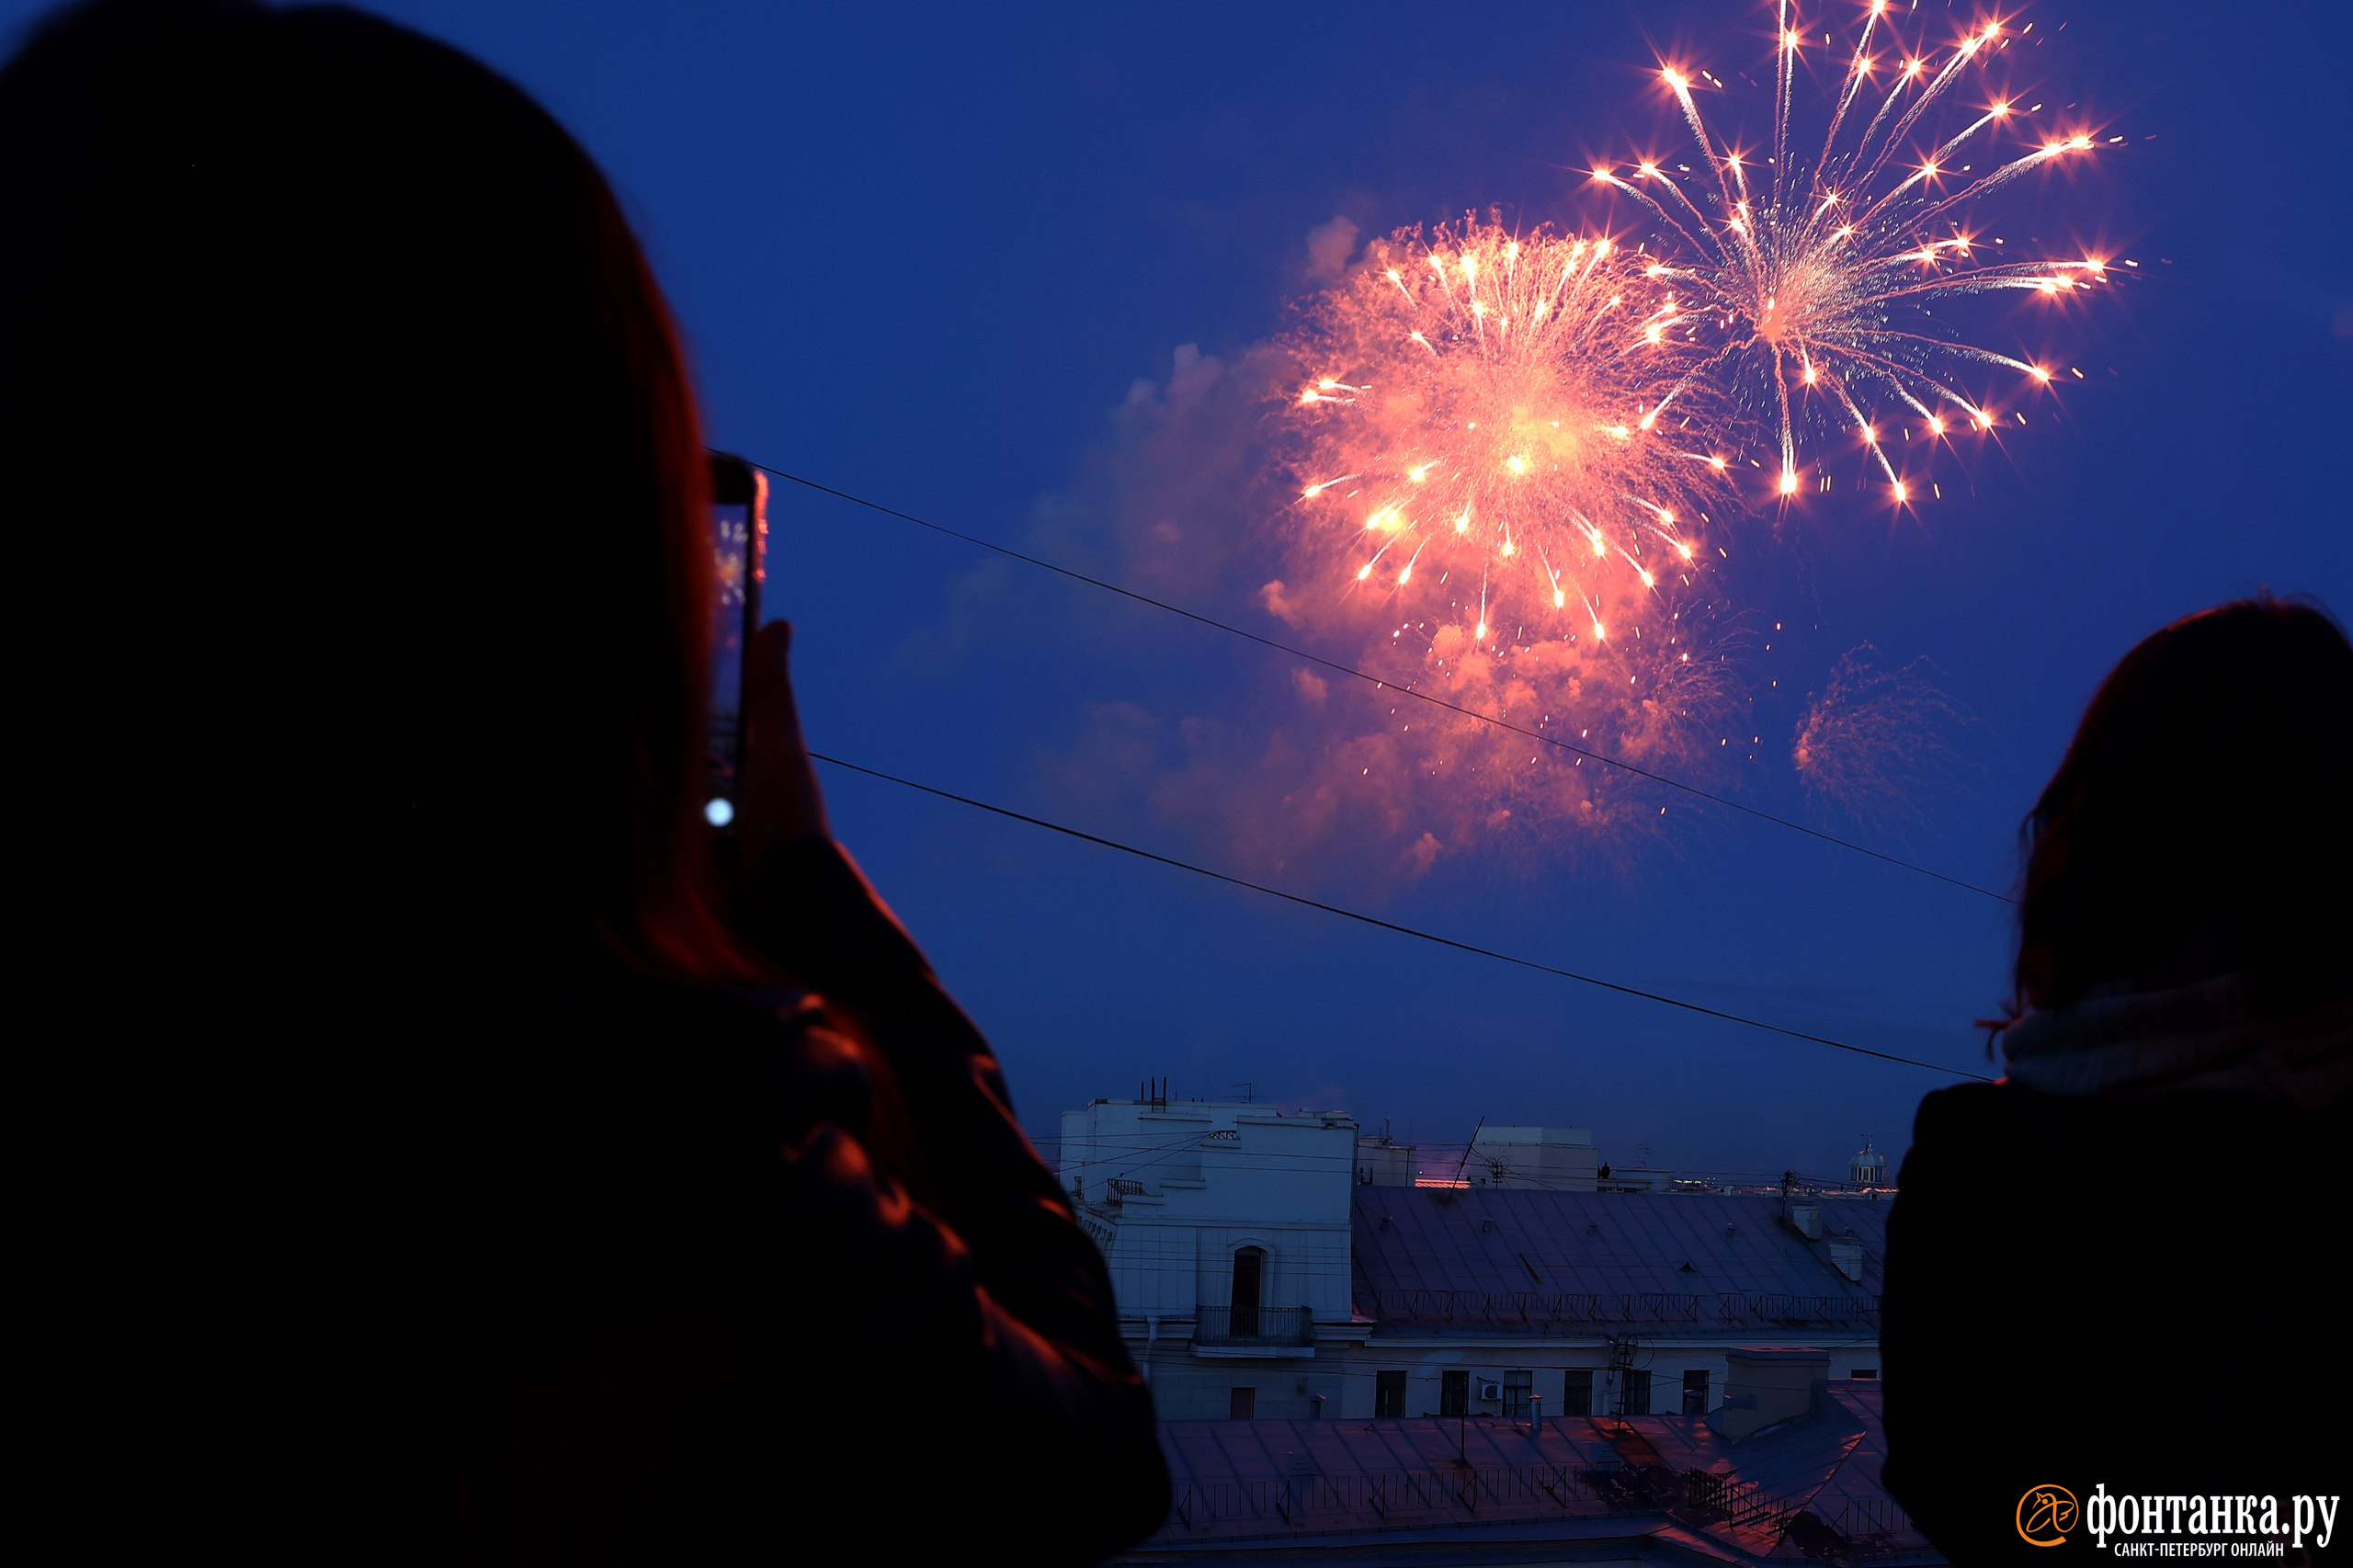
738 529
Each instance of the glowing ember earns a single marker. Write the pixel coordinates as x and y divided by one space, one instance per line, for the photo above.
1812 288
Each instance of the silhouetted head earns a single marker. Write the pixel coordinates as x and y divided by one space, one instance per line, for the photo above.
357 425
2199 825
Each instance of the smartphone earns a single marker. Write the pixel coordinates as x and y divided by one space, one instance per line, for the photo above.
739 538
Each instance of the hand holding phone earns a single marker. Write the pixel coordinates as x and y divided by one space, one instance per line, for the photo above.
779 802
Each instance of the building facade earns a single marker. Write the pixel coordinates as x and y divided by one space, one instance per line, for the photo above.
1786 1470
1226 1227
1277 1267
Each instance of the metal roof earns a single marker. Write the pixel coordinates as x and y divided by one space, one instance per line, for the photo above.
1593 1478
1526 1259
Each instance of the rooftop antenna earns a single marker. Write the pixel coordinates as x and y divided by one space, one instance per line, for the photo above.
1467 1147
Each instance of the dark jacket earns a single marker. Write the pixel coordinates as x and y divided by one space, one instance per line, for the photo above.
2130 1291
673 1275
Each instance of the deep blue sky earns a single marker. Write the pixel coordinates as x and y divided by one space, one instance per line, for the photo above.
922 252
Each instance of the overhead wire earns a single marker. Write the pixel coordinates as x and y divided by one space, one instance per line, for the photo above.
1397 927
1339 667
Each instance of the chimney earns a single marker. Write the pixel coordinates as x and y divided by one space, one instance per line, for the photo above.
1807 1219
1846 1258
1766 1385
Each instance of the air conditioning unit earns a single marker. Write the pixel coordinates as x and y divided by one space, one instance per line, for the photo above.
1490 1392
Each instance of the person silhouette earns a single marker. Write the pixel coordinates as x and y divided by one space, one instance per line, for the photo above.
2102 1269
555 1187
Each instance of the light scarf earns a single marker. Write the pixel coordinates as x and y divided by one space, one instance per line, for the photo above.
2201 1038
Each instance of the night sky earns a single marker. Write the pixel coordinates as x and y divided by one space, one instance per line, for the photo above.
1001 267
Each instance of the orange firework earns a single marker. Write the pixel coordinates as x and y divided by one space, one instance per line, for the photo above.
1815 276
1479 431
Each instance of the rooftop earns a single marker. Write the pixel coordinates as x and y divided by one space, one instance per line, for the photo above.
1523 1260
1797 1491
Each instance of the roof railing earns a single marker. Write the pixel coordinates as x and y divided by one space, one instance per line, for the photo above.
1244 1326
1569 1312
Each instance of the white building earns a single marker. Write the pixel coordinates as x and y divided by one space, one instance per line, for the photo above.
1558 1159
1226 1230
1275 1267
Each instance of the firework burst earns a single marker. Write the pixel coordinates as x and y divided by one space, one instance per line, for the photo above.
1814 274
1485 484
1875 746
1479 432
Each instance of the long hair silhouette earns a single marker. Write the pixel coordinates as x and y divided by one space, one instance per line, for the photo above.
354 407
2198 826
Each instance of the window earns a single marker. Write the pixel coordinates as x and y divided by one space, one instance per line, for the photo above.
1695 1391
1454 1393
1518 1386
1634 1396
1249 1275
1576 1391
1242 1405
1864 1372
1389 1393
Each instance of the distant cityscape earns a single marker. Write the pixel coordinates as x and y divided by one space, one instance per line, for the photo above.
1514 1340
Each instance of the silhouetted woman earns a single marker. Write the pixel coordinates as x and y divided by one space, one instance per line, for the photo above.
2119 1266
541 1197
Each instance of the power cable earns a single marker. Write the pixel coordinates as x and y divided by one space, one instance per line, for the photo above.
1350 670
1391 925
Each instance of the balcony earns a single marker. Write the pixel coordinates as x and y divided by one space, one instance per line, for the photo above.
1254 1328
